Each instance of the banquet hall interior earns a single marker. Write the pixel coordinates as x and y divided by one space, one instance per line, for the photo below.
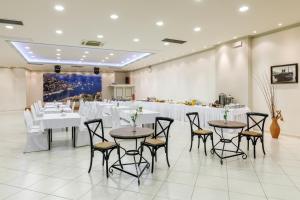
149 100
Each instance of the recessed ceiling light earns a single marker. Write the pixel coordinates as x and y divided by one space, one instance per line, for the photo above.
59 8
243 8
136 39
166 43
111 54
106 58
59 32
204 47
32 56
58 54
58 50
254 32
27 48
160 23
58 58
86 52
81 59
99 36
10 27
114 16
84 56
280 24
30 52
197 29
235 37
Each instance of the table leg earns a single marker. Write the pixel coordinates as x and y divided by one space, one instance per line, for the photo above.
74 136
137 164
237 152
49 139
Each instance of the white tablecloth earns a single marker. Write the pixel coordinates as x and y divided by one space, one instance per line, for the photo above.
52 110
53 121
144 117
178 111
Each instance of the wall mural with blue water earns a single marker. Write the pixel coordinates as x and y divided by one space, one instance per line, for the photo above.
62 87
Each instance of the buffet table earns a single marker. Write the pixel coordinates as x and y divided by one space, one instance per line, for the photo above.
178 111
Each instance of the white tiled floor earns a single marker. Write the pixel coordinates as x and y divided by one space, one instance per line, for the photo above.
62 172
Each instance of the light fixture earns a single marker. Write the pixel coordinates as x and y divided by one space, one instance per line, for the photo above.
59 8
280 24
57 58
160 23
243 8
111 54
100 36
106 58
166 43
136 39
27 48
10 27
84 56
235 37
114 16
30 52
86 52
58 50
254 32
59 32
197 29
58 54
32 56
81 59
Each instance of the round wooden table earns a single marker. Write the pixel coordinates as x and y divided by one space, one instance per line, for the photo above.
130 133
222 124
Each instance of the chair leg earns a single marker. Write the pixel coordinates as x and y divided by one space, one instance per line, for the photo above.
152 155
204 142
212 140
254 151
167 156
91 160
155 156
192 138
106 162
103 158
248 143
263 145
198 142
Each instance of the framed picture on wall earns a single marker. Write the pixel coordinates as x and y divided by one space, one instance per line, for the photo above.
284 74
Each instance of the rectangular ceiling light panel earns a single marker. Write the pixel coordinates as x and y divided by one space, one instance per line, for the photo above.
36 53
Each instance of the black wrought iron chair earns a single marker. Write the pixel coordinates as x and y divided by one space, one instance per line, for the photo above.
162 127
105 147
197 131
255 130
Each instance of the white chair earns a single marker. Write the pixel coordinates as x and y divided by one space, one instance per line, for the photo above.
68 103
73 106
40 104
37 140
117 122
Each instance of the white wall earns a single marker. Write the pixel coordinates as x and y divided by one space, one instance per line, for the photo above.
191 77
233 71
276 49
13 89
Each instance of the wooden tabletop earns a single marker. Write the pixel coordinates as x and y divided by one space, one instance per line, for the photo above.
228 124
128 133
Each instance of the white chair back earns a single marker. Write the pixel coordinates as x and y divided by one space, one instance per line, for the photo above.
73 106
33 112
28 120
40 104
68 103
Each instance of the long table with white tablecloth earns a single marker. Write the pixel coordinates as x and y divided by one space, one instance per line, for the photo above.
178 111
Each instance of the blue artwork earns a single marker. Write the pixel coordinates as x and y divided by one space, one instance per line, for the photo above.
60 87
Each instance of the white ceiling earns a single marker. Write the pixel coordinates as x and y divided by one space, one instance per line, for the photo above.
37 53
219 20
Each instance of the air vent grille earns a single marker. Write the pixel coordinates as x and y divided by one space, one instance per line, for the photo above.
173 41
8 21
92 43
77 66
